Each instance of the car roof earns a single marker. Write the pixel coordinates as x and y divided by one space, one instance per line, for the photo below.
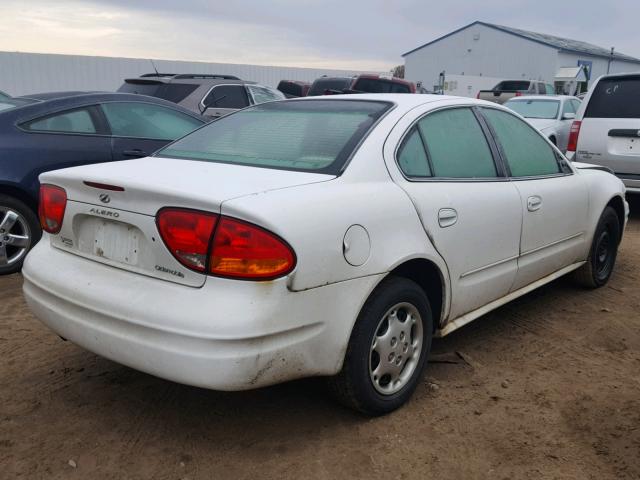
56 101
189 80
405 101
543 97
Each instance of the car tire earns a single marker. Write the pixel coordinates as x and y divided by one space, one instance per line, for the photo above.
603 252
19 231
388 349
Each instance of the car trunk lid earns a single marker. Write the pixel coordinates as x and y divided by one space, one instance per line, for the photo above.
111 209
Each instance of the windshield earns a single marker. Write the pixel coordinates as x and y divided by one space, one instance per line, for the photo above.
9 103
535 108
316 136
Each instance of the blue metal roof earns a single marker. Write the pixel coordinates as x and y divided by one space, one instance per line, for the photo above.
563 44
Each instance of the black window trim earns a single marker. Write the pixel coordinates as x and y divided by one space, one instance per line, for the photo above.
169 140
563 163
102 129
501 172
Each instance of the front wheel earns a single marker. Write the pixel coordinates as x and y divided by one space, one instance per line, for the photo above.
604 250
388 349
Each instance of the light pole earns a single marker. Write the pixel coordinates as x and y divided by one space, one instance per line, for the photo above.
610 58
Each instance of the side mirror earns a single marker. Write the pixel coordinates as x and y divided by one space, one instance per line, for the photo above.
568 116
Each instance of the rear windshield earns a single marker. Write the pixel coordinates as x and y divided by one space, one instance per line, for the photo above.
321 85
513 85
535 108
615 98
173 92
291 89
316 136
10 103
372 85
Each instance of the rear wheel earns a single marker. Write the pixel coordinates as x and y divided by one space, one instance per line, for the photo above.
604 250
19 231
388 349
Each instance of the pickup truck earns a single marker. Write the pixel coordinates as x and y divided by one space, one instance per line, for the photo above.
508 89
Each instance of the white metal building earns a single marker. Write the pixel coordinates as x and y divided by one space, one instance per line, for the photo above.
24 73
479 50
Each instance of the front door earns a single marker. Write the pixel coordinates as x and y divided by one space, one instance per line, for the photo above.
554 200
470 211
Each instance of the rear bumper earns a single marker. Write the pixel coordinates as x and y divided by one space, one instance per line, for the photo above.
226 335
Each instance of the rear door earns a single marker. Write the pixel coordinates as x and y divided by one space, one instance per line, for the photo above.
138 129
62 139
554 200
470 211
609 134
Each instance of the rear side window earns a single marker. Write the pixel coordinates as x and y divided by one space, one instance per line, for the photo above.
143 120
292 89
549 88
412 158
528 154
227 96
76 121
314 136
456 145
615 98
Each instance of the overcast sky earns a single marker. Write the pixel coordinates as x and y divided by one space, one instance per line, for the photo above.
356 34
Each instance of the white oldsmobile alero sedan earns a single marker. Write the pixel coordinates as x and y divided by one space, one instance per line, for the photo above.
316 237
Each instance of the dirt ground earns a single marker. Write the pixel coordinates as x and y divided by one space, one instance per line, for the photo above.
547 387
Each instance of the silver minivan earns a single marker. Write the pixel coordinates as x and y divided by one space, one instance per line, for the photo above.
606 130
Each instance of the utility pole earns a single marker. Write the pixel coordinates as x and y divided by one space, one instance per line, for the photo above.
610 58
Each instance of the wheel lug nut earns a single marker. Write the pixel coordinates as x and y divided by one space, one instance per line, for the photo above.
398 361
394 341
391 357
405 349
401 336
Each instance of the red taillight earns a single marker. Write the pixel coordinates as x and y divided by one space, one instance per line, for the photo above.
478 95
572 146
518 94
234 248
242 250
53 202
187 234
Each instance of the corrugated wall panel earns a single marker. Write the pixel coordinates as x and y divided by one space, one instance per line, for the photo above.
24 73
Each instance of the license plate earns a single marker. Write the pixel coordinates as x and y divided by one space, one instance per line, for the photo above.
117 242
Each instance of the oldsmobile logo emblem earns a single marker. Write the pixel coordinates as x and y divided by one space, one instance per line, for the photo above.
104 198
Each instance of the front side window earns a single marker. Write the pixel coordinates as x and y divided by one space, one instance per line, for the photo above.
144 120
227 96
535 108
75 121
314 136
456 145
264 94
527 153
513 85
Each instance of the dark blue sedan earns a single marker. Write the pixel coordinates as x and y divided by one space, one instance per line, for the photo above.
58 130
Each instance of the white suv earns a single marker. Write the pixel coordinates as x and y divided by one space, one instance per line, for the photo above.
606 130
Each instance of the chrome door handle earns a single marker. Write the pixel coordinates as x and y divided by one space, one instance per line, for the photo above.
534 203
447 217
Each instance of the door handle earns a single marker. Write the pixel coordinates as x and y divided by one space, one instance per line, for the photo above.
136 152
534 203
447 217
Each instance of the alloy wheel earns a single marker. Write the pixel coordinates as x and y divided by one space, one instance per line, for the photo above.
15 236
